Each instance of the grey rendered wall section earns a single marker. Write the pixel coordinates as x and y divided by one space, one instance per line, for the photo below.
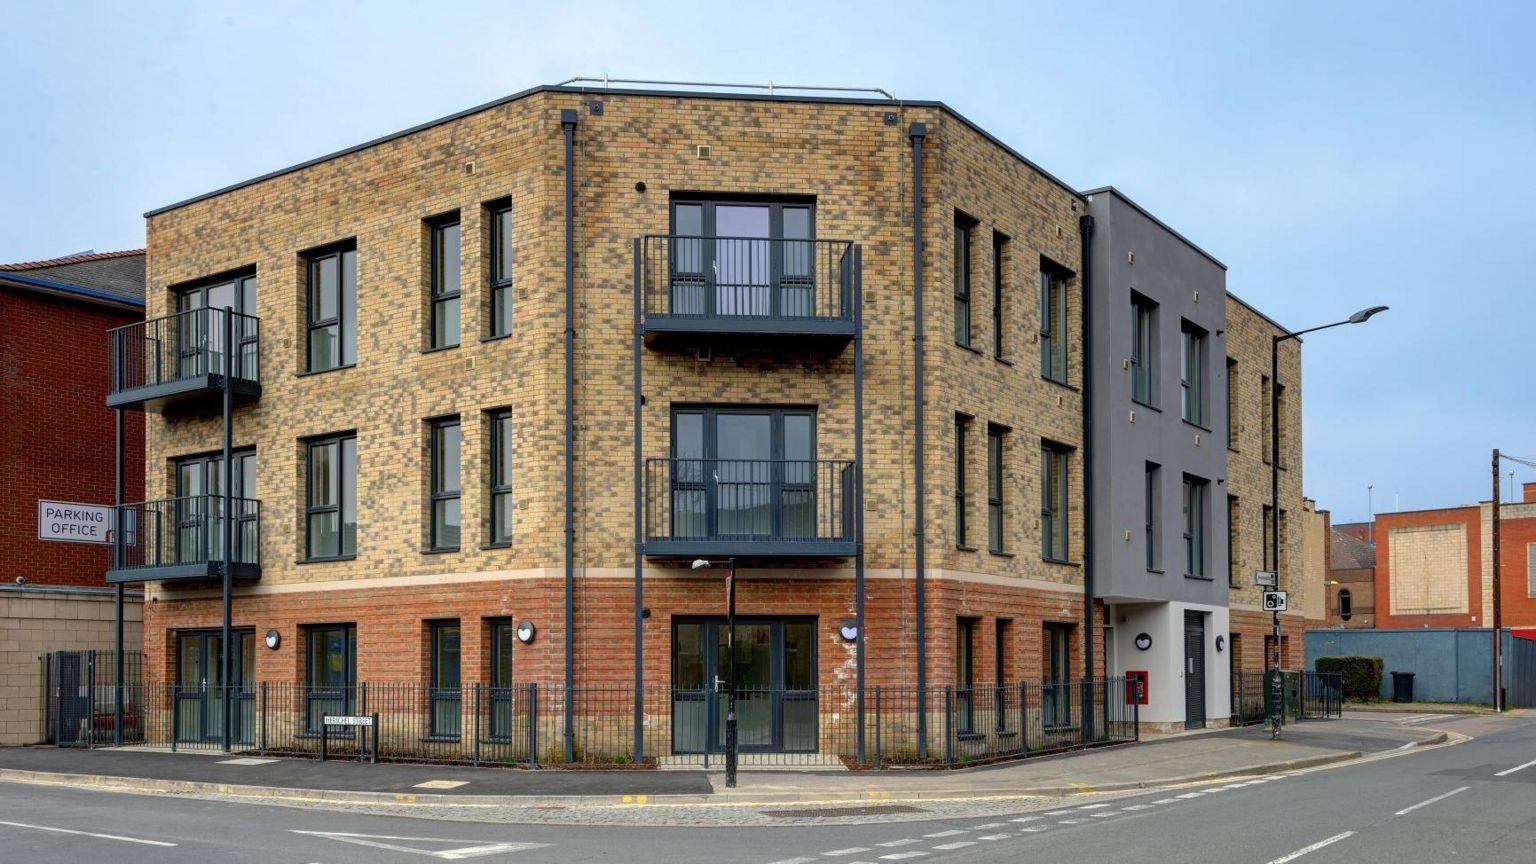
1186 285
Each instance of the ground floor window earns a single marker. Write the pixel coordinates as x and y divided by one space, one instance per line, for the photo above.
502 693
965 675
331 651
775 684
1056 702
446 695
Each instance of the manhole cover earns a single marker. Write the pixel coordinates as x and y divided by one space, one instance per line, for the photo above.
844 811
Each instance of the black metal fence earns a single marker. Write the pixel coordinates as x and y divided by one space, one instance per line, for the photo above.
184 346
1321 694
1305 696
747 277
797 500
79 697
1250 694
524 724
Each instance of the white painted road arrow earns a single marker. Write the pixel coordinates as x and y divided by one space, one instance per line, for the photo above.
378 841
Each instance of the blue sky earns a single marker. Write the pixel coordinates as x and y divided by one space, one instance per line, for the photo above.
1333 155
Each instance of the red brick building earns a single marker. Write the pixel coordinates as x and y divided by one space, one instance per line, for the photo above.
56 443
1434 568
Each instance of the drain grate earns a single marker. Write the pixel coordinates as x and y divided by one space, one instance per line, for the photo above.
820 812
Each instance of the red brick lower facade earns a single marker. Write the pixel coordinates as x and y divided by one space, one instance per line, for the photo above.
1251 631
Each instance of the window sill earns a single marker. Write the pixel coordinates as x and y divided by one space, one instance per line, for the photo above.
307 373
440 348
484 339
1205 429
1000 553
1157 571
971 348
1003 360
506 545
961 547
1147 405
326 560
1231 449
1058 382
1199 578
1062 561
439 550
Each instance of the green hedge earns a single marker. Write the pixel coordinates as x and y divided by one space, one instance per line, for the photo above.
1362 675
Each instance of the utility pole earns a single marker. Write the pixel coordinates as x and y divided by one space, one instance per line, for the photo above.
1498 619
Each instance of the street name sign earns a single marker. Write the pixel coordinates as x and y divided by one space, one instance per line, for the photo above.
1276 601
74 523
1265 577
348 719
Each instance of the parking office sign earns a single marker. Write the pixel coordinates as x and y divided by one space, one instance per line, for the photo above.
74 523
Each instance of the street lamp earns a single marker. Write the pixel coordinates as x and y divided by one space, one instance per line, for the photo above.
730 666
1364 315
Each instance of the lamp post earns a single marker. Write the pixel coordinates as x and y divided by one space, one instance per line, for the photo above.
1277 707
730 667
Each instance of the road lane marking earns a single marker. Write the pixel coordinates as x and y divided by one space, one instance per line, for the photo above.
1087 807
1034 828
991 825
851 850
958 844
903 856
936 835
1509 771
476 850
1165 801
116 837
1190 795
995 837
1406 810
1313 848
1072 821
1134 807
1026 819
795 861
1059 812
907 842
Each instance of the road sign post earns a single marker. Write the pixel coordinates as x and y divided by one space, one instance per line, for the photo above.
1276 602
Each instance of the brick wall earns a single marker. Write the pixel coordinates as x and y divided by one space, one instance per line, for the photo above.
56 441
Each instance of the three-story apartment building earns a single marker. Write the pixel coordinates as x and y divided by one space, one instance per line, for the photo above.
509 374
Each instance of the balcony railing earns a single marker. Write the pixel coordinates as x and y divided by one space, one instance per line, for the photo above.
749 507
748 286
184 356
183 538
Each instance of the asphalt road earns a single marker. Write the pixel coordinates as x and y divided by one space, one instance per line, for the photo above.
1475 801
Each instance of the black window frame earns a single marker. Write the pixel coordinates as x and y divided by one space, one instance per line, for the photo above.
1234 521
964 262
437 492
962 494
499 273
1054 306
1231 418
997 446
1152 494
1266 418
1143 357
703 248
1055 530
327 698
1195 506
499 444
1194 348
502 685
1346 604
446 701
1000 255
440 297
805 480
1267 515
194 516
344 486
345 319
965 674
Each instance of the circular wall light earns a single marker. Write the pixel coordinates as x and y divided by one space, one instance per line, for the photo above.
274 639
1143 641
849 630
525 631
1221 643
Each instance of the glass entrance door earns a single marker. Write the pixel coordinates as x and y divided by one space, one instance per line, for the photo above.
200 520
201 689
743 258
742 473
203 334
775 685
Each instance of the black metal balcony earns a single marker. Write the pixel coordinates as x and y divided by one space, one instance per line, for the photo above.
184 357
764 508
764 291
182 539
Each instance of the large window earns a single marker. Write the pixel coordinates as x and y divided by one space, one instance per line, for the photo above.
999 286
1151 495
446 487
499 219
738 258
962 433
447 697
1194 526
1283 427
1231 416
1264 418
446 257
746 473
963 229
1053 502
331 652
995 435
332 314
1056 691
1269 538
200 521
1192 373
503 696
501 477
331 513
1143 348
1053 324
198 350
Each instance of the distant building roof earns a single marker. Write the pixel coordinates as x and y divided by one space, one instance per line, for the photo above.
1350 552
112 277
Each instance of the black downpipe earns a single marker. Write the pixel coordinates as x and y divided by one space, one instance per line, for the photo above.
117 561
639 523
918 132
568 123
858 478
1085 225
228 654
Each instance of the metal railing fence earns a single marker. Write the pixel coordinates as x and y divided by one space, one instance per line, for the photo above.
184 346
798 500
747 278
187 530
